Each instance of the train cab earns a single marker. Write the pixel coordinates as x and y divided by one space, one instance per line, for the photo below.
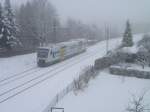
42 56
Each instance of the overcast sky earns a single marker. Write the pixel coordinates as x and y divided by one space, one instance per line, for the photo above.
101 11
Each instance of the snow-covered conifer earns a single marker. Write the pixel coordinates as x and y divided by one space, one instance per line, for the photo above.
127 37
1 22
3 39
10 28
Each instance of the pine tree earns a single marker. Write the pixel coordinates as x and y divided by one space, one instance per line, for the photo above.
127 38
3 39
10 28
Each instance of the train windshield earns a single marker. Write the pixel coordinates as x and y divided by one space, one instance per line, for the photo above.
43 53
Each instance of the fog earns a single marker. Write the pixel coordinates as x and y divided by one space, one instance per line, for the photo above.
102 11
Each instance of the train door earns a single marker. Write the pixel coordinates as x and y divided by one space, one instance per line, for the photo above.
62 53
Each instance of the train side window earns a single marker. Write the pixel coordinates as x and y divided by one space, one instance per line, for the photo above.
51 52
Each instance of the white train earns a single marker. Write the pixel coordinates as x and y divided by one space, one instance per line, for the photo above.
58 52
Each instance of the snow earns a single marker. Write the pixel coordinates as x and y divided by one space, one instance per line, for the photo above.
106 93
132 49
56 78
132 67
17 64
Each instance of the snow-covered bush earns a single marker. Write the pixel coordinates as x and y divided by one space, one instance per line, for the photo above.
131 58
144 44
137 104
129 71
130 53
114 58
143 59
103 63
143 55
85 76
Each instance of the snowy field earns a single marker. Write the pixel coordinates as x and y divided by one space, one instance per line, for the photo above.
26 88
17 64
106 93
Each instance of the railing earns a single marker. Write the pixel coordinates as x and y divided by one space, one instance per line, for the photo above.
87 74
59 97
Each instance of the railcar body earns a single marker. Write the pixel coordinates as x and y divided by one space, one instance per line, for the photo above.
58 52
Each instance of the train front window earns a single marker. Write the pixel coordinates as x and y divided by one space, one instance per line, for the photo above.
43 53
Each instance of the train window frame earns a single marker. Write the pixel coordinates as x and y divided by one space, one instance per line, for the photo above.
39 52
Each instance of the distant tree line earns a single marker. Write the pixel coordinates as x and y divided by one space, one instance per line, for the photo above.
40 24
37 23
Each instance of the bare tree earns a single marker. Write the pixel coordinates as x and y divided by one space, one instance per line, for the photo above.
37 19
137 104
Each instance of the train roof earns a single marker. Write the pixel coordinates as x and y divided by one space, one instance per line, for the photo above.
67 43
61 44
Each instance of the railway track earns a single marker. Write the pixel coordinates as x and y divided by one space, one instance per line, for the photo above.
14 91
20 75
15 77
29 72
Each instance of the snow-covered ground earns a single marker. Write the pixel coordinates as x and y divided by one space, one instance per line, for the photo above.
33 90
130 66
13 65
106 93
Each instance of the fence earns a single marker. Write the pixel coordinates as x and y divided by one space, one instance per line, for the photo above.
59 97
85 76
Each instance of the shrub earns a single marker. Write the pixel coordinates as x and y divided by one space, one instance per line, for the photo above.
145 43
85 76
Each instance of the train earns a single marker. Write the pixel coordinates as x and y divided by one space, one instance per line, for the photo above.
55 53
